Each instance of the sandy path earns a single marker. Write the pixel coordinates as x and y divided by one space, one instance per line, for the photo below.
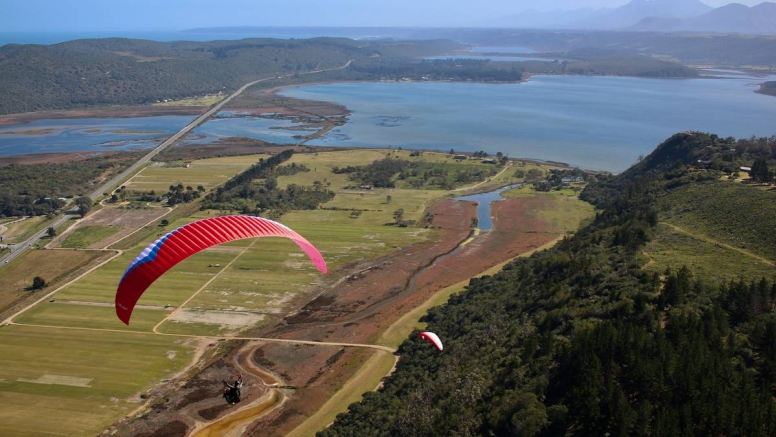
235 423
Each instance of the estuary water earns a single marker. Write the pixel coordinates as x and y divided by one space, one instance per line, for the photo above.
484 219
600 123
88 134
594 122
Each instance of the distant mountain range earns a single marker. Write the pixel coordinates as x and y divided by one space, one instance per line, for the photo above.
732 18
654 16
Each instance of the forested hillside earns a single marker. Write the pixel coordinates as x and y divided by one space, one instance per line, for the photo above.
586 340
124 71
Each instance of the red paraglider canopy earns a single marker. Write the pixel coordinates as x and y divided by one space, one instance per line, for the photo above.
169 250
433 338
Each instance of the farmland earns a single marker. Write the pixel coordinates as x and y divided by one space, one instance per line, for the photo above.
250 288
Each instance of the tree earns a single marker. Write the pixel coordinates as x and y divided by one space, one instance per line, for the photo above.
534 174
760 172
84 205
398 215
38 283
388 198
51 232
164 222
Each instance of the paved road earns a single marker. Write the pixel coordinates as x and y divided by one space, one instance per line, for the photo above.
19 249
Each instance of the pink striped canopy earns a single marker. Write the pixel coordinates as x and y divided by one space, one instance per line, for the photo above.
169 250
433 338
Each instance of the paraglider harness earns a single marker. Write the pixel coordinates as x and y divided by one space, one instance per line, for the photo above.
232 391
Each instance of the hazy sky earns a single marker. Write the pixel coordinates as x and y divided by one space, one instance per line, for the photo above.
105 15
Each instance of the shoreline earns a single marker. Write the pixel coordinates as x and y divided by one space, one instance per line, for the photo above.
274 90
331 113
133 111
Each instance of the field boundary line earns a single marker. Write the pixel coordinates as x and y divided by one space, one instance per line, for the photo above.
9 320
725 245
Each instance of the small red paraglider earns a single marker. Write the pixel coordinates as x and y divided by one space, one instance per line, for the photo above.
169 250
433 338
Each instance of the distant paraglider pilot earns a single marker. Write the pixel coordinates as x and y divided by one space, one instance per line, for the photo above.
232 391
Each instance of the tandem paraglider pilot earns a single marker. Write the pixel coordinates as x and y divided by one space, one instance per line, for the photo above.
232 391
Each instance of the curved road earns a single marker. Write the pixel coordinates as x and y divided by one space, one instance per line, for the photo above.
21 248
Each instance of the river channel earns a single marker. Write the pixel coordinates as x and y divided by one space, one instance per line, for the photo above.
484 219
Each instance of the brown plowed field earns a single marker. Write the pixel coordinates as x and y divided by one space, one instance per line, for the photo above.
128 221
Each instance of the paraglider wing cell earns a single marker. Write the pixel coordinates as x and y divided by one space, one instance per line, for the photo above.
169 250
433 338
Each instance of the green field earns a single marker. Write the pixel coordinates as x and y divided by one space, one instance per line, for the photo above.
220 291
706 259
740 215
52 266
24 229
171 289
74 382
85 236
206 172
194 101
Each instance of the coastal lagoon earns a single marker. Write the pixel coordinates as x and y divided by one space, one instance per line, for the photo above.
88 134
594 122
235 124
105 134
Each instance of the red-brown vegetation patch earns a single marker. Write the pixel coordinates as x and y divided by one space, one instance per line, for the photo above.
517 229
372 283
214 411
323 368
171 429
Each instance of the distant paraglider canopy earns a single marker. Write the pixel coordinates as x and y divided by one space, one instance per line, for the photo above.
169 250
433 338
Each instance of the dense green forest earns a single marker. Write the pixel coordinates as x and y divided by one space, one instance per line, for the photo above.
35 189
608 61
118 71
583 340
687 48
124 71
